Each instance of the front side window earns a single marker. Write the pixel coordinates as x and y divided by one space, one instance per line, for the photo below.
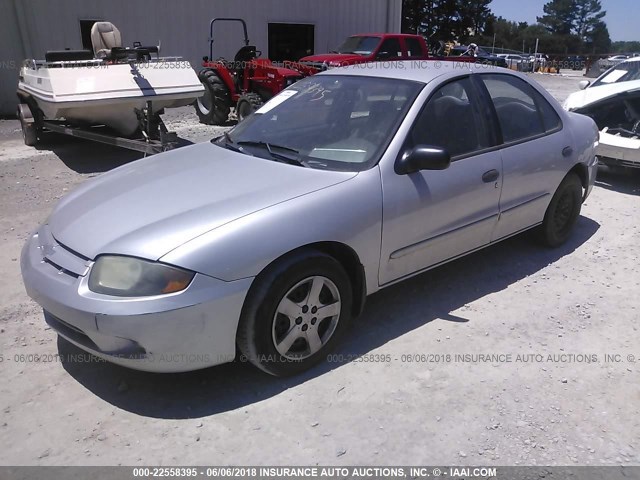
451 120
515 106
327 122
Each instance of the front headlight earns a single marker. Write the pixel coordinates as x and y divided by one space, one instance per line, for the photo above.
133 277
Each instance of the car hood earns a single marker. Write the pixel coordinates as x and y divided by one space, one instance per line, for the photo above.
342 58
591 95
152 206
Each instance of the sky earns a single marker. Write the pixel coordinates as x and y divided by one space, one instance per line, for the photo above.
622 16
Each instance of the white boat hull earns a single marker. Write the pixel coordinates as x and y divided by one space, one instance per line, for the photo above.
98 94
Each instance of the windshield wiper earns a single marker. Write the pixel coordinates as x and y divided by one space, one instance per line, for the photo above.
228 143
276 155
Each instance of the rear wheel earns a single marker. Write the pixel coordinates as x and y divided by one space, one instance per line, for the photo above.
295 313
214 106
247 104
562 213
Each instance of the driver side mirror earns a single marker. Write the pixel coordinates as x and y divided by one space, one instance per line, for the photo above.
584 84
423 157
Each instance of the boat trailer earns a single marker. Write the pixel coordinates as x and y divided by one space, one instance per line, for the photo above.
155 138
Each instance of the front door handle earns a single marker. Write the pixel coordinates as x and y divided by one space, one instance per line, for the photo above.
567 151
490 176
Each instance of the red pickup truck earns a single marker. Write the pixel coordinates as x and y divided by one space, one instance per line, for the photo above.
374 47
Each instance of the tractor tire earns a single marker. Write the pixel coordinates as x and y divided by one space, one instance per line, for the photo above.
214 106
247 104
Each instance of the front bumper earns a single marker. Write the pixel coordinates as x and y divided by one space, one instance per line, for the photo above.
189 330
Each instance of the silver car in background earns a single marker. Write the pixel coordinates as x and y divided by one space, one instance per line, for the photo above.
270 237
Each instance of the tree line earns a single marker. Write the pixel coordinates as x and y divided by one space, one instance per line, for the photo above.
564 26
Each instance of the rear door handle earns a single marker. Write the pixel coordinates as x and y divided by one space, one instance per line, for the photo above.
490 176
567 151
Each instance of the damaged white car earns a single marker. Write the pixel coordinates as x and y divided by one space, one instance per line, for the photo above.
613 101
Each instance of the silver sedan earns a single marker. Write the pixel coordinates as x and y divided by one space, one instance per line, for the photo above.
269 239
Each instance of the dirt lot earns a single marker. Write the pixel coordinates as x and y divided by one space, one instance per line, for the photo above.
565 405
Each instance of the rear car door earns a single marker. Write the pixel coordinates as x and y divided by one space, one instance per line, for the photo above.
534 144
432 216
414 48
390 49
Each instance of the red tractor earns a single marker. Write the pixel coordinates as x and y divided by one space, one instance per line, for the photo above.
244 83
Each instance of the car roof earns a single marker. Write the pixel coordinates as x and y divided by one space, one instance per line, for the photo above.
423 71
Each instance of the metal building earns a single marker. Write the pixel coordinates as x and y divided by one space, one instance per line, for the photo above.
281 29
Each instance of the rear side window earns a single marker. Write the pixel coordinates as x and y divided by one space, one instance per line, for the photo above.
516 107
414 48
550 117
390 48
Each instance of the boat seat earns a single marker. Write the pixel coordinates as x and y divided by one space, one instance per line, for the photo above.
104 37
68 55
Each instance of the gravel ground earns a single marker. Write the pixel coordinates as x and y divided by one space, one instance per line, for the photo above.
552 398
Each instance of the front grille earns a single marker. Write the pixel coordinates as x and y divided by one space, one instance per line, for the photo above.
60 269
73 252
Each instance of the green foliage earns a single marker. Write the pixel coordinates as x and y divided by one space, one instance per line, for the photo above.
625 47
559 16
567 26
445 19
588 18
580 18
598 40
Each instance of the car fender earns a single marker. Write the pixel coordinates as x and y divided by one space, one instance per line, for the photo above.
585 135
348 213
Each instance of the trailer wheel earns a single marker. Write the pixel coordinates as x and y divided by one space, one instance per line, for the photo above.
247 104
214 106
29 130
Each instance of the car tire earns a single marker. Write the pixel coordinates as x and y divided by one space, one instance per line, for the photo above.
301 284
562 213
247 105
214 106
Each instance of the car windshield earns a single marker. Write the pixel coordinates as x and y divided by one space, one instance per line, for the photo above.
623 72
327 122
359 45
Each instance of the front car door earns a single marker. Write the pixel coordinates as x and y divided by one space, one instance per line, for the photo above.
432 216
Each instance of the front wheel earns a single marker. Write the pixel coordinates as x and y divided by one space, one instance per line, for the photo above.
295 313
562 213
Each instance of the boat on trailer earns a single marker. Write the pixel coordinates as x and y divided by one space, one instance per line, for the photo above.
112 94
